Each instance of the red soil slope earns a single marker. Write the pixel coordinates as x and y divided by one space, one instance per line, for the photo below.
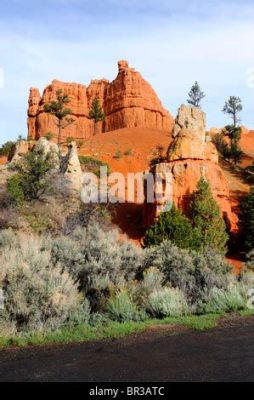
142 143
247 145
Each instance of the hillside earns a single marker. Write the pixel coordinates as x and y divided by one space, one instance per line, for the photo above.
136 147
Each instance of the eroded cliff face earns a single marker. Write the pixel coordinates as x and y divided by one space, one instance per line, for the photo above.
128 101
191 156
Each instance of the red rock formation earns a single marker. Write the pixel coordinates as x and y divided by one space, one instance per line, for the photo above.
191 156
129 101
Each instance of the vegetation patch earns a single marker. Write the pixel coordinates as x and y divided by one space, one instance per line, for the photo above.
93 165
111 330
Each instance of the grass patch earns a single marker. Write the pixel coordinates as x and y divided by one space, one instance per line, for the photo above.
246 313
118 154
112 330
91 164
128 152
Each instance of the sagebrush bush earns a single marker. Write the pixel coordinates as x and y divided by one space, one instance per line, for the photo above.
152 280
91 254
233 298
193 273
93 275
38 295
250 260
167 302
121 308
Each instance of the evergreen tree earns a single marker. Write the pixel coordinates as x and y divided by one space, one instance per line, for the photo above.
174 226
233 107
96 113
247 220
233 133
236 154
7 148
60 112
206 218
195 95
30 182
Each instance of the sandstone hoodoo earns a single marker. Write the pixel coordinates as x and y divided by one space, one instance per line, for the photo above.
191 156
128 101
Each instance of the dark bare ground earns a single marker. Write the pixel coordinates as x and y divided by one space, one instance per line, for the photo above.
161 354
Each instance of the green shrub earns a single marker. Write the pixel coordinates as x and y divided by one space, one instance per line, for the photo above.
222 146
122 309
234 298
49 135
205 226
69 139
8 238
30 182
91 164
91 253
38 295
40 224
192 272
7 148
118 154
80 143
152 280
15 190
128 152
167 302
207 220
250 260
173 226
246 217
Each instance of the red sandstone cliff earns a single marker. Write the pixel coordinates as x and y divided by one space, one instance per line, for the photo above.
128 101
191 156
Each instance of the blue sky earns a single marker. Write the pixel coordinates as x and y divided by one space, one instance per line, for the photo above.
172 43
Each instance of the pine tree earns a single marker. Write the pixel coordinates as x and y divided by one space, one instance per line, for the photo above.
233 107
174 226
30 182
60 112
195 95
206 218
247 220
96 113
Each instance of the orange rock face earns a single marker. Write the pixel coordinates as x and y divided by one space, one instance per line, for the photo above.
128 101
191 156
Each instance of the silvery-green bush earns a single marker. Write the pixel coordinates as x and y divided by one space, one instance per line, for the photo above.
193 273
97 259
250 260
234 298
141 290
38 296
167 302
122 308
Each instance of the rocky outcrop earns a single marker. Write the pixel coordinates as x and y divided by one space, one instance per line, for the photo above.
191 156
20 149
190 139
48 149
128 101
71 168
